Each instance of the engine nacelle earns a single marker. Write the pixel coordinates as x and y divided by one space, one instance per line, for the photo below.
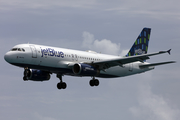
36 75
85 70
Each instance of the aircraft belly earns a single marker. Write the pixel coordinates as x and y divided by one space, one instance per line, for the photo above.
115 71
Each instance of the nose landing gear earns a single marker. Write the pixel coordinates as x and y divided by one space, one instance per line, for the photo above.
27 74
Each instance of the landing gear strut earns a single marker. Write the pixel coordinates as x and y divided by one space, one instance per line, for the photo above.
27 73
61 84
94 82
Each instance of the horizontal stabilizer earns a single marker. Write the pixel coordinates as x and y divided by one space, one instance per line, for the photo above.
155 64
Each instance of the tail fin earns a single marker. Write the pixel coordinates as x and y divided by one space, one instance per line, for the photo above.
141 44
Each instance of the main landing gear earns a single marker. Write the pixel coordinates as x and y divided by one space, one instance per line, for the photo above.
94 82
61 84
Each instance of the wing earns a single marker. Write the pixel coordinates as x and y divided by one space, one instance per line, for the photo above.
102 65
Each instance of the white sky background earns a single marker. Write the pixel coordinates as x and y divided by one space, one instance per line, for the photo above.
108 27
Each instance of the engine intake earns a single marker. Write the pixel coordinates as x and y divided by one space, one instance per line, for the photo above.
84 70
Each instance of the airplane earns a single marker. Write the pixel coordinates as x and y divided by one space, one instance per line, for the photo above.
40 61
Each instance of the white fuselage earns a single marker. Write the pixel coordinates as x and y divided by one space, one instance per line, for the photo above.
60 60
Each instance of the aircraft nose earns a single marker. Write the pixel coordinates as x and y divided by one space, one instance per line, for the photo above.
7 57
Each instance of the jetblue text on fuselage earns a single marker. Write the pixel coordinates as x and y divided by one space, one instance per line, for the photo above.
52 52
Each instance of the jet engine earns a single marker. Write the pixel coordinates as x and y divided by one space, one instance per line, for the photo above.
36 75
82 69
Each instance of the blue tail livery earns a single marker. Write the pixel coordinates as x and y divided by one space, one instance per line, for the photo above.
140 46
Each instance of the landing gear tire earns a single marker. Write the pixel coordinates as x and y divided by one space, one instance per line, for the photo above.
25 78
94 82
91 83
27 72
61 85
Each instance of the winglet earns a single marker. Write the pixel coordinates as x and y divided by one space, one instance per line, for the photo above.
169 51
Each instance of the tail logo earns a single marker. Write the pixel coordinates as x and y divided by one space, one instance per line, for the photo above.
139 52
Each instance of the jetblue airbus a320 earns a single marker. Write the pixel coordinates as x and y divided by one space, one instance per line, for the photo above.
39 61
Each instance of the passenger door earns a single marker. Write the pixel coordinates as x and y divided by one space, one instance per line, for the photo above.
34 51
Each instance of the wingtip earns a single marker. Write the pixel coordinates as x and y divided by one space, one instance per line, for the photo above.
174 62
169 51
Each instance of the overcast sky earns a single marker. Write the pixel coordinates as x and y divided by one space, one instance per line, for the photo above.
106 26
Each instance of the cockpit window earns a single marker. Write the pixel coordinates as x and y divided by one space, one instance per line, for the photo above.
18 49
14 49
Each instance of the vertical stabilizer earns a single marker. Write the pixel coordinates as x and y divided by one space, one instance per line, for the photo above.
140 46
